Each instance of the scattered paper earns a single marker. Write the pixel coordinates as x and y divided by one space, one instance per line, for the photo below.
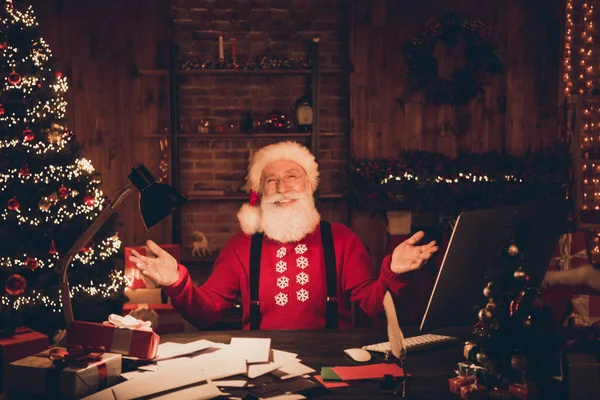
285 397
149 367
292 369
172 350
331 385
256 370
106 394
134 374
328 375
232 383
201 392
158 382
221 364
169 349
372 371
278 356
256 350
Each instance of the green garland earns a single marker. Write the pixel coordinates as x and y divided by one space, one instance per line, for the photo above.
430 182
482 62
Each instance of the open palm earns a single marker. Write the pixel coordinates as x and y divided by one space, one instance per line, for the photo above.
162 270
408 257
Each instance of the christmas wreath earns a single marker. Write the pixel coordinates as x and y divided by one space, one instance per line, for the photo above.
481 60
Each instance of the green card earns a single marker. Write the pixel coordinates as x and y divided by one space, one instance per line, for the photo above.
328 375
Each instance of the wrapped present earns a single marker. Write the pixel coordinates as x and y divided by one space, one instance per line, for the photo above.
457 382
130 270
586 309
499 394
122 335
570 252
23 343
145 296
65 373
164 318
473 391
524 391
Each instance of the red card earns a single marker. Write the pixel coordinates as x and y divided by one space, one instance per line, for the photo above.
372 371
330 385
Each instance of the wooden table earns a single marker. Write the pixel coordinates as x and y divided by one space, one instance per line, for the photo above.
430 369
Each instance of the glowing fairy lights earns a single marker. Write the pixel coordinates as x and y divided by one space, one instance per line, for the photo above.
27 76
568 44
460 178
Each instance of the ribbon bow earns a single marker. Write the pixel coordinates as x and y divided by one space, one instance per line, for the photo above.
128 322
75 355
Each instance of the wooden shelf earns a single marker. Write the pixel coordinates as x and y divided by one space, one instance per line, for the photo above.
249 136
233 72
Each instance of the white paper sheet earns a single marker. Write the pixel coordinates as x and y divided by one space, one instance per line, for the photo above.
278 356
178 350
256 370
220 364
233 383
200 392
149 367
293 369
106 394
256 350
285 397
157 382
134 374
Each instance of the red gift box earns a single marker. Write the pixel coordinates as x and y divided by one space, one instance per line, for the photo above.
457 382
523 392
129 342
25 342
499 394
473 392
169 319
134 273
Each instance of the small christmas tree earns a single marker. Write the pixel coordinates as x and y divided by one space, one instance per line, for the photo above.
514 340
49 193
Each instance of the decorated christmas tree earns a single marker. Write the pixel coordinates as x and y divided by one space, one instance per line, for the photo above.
514 342
49 193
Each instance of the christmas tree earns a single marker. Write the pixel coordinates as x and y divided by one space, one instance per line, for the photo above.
49 193
514 340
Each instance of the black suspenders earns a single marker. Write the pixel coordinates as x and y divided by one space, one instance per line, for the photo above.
331 273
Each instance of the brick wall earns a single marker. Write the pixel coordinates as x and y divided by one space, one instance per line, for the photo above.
277 28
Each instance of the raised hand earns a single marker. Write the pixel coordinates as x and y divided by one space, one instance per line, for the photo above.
162 270
408 257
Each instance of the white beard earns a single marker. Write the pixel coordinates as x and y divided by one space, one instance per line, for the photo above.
291 223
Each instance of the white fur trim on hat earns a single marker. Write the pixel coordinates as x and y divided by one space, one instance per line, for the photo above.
250 218
282 151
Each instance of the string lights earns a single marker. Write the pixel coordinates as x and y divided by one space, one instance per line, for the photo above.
460 178
568 43
28 76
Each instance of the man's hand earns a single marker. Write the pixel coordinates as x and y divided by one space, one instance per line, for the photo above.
162 270
408 257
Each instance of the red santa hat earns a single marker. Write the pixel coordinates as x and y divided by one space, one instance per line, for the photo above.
250 214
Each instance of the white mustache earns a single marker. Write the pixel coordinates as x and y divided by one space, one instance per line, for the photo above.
274 198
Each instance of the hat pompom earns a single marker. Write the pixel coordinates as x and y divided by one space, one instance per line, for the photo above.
250 218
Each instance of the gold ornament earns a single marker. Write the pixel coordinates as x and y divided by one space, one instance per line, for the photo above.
485 315
520 274
487 291
54 137
469 347
491 305
44 204
528 322
513 250
481 358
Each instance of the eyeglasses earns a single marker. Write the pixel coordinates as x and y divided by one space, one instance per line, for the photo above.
289 181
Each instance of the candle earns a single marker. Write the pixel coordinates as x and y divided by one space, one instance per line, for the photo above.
233 50
221 48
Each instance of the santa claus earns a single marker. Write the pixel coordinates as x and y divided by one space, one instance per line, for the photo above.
292 270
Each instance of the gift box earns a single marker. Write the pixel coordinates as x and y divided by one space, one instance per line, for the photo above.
474 391
457 382
134 273
165 319
499 394
63 373
146 296
23 343
130 342
524 392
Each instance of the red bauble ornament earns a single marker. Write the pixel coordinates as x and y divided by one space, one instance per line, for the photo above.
2 110
58 74
28 135
15 285
63 192
89 200
13 204
31 263
14 78
87 247
3 45
24 171
52 251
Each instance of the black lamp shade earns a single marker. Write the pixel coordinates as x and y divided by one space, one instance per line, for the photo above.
157 200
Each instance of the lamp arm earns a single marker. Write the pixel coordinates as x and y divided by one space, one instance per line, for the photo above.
65 261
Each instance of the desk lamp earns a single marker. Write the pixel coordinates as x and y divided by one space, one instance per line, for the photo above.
156 201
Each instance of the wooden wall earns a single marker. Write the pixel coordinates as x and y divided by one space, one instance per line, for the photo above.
517 111
99 45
